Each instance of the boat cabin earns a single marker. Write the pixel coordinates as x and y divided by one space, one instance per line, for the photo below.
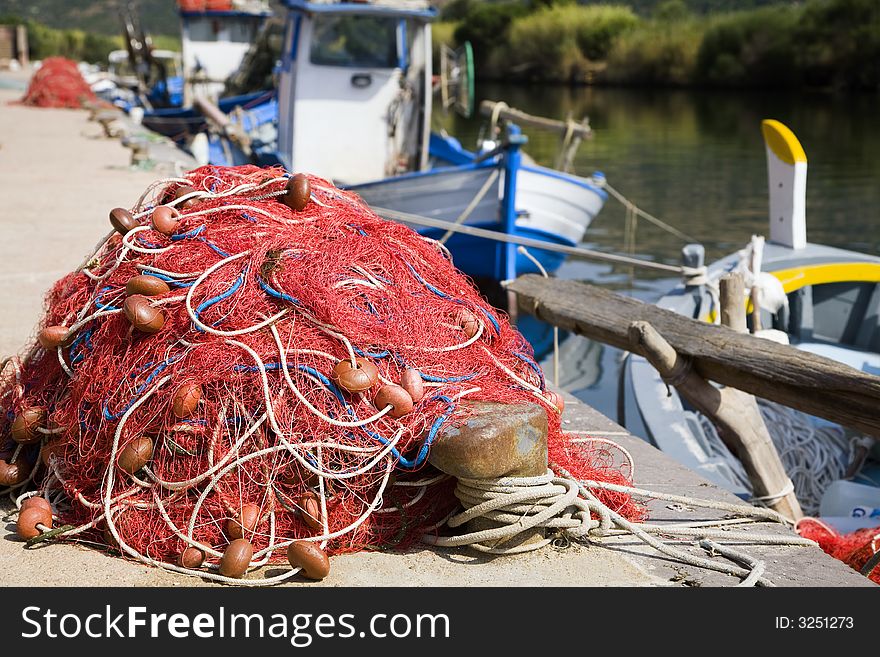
216 34
353 105
355 88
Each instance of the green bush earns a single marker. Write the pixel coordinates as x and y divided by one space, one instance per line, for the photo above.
486 26
455 10
597 26
838 44
656 53
78 45
822 43
752 49
563 42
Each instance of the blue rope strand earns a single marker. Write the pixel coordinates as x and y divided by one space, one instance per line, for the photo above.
421 280
193 233
103 306
533 365
158 370
174 281
275 293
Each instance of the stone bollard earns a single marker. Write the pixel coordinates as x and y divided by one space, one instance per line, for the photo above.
140 150
496 440
107 119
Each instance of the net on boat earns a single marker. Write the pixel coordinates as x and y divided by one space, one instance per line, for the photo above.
855 549
58 83
815 454
201 378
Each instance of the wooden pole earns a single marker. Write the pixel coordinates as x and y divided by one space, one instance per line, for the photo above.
756 310
780 373
21 45
580 130
734 413
733 303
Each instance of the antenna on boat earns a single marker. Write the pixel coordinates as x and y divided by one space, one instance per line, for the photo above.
787 180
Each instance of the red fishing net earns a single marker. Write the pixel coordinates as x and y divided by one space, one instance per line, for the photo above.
58 83
205 5
227 392
853 549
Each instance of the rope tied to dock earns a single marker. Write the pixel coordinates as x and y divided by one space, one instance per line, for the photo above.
570 508
517 505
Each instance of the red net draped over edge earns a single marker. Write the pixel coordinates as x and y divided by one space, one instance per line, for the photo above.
334 277
205 5
854 549
58 83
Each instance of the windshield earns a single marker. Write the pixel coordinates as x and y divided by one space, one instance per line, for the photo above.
356 41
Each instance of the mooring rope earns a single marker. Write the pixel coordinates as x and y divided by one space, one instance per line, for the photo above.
565 506
576 251
635 210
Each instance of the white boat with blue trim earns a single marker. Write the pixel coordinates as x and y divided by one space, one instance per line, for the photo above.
354 105
820 299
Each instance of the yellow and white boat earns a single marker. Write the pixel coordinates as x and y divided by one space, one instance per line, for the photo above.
818 298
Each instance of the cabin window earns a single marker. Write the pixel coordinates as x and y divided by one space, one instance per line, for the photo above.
215 29
839 309
355 41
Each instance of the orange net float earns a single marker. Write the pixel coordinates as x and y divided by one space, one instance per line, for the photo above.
274 368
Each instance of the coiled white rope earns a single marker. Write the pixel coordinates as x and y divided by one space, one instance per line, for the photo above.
813 455
565 505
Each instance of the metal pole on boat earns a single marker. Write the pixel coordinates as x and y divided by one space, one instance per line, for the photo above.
512 159
787 182
512 162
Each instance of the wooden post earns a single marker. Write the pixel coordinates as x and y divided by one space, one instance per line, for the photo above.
21 45
733 412
733 303
756 310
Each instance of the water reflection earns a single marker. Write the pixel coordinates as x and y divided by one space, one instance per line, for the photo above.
696 160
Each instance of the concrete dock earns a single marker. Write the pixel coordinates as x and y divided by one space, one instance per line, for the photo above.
59 176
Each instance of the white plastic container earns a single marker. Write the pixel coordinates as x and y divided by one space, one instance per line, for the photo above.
845 498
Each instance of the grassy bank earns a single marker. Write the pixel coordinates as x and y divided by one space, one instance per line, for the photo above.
78 45
817 43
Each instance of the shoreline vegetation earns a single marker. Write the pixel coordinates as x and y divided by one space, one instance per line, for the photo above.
831 45
813 44
77 44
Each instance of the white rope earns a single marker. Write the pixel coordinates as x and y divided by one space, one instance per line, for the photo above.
813 455
562 504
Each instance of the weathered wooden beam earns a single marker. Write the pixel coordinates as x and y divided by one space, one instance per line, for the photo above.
581 130
766 369
734 413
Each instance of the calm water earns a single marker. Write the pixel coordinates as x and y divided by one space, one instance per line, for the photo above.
697 161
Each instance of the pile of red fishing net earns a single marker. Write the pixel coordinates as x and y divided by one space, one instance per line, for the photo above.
193 381
58 83
854 549
205 5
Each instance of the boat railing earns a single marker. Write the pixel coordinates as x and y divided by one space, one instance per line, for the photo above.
571 132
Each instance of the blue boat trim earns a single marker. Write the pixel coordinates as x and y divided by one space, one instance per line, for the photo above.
226 13
580 182
364 8
473 166
449 149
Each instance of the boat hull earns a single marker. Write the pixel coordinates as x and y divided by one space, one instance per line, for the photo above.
550 206
673 428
